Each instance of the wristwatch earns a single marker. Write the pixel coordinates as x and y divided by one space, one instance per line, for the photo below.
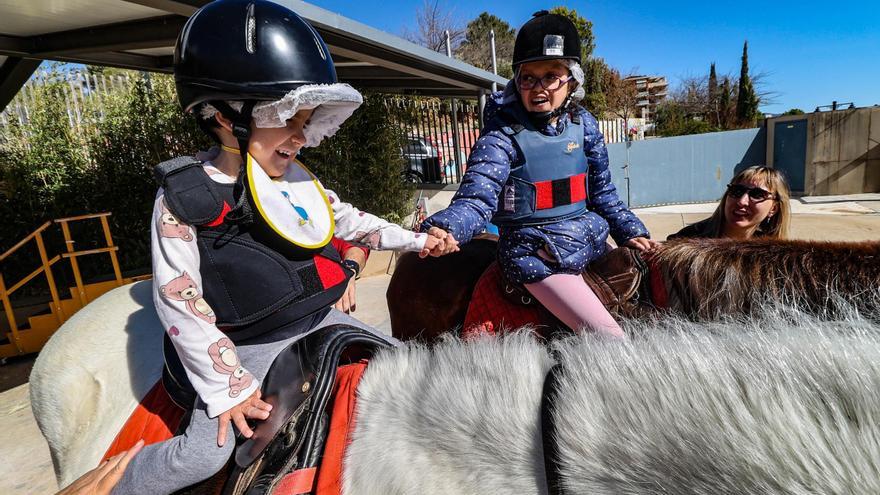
354 266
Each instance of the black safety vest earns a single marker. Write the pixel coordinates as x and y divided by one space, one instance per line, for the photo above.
254 282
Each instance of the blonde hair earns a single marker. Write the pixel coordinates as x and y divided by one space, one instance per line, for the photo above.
773 227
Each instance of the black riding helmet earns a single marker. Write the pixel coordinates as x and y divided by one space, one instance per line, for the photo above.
547 36
250 51
247 50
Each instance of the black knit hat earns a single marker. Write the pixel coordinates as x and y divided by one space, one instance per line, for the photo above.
547 36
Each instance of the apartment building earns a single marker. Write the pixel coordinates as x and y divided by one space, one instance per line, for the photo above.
651 90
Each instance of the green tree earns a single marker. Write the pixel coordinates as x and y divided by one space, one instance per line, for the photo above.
746 100
584 28
595 100
725 104
476 49
794 111
713 94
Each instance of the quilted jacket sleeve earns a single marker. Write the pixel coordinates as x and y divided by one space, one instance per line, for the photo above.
603 195
475 203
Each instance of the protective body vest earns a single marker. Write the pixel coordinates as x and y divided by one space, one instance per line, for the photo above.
253 281
549 183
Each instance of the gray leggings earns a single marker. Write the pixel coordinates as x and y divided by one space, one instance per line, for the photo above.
194 456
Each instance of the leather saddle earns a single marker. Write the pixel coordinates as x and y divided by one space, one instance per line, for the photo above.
298 385
616 278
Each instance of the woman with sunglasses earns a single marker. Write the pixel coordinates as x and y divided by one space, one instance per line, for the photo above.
540 173
755 204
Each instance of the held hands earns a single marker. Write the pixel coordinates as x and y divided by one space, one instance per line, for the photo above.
642 244
252 408
439 243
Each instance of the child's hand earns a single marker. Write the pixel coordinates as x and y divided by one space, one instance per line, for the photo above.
252 408
642 244
439 242
451 246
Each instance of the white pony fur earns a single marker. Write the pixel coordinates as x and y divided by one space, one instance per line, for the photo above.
458 419
783 403
91 375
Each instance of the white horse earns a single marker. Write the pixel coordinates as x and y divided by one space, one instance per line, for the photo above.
781 403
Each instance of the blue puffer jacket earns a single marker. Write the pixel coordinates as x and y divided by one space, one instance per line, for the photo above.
573 243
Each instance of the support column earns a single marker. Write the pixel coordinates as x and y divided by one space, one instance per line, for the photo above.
14 72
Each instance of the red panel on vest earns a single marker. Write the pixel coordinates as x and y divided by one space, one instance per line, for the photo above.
330 272
578 188
297 482
154 420
219 220
544 195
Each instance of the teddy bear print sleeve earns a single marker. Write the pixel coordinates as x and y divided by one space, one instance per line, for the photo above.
209 357
371 231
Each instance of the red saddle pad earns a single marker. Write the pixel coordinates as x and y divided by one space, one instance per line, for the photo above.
491 311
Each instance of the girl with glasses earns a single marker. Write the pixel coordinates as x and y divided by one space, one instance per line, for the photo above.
540 173
755 204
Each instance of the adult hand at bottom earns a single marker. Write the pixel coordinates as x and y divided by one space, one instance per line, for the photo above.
102 479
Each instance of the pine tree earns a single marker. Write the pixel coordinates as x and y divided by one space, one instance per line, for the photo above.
714 115
724 104
746 100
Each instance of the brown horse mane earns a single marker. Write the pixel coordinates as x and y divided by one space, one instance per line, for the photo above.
711 277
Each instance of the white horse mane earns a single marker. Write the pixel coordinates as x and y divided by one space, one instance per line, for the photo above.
782 403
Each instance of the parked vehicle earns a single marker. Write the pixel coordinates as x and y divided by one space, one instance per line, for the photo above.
421 160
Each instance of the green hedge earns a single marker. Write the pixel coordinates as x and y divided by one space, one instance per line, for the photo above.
50 170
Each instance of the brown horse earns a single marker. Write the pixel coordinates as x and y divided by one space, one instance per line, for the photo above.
701 278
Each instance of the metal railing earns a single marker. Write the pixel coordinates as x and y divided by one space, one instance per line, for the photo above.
23 341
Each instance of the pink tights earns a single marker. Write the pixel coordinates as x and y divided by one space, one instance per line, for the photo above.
571 300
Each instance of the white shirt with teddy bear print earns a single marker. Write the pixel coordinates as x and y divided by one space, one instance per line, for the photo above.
209 357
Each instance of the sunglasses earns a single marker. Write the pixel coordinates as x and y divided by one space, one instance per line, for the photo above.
549 82
756 194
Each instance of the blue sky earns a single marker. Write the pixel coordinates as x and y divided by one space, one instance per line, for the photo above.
812 52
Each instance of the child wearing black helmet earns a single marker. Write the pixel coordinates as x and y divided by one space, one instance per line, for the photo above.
242 260
539 171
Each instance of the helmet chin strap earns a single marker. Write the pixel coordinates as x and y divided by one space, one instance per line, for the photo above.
540 119
241 128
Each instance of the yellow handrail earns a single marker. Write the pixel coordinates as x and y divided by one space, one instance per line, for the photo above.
24 241
83 217
24 342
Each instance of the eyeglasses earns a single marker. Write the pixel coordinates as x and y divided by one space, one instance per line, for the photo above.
756 194
550 82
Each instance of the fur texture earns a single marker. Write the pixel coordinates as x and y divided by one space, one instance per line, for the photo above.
456 419
709 278
91 375
776 405
782 403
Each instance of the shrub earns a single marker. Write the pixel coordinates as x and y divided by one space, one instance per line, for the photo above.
49 169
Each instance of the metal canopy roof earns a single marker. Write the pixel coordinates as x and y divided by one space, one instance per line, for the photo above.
140 34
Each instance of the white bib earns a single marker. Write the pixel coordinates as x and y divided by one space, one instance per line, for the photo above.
295 205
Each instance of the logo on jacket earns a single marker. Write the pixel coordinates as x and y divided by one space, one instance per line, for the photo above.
572 145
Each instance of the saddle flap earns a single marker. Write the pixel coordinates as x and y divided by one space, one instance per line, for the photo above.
616 278
299 381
